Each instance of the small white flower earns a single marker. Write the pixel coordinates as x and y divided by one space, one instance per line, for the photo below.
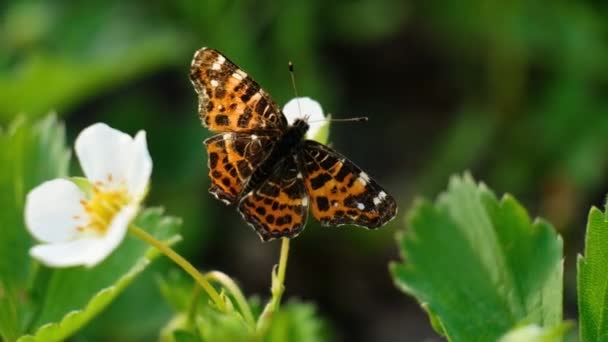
307 109
76 229
527 333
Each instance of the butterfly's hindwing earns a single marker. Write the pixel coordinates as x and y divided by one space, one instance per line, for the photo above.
278 207
232 159
229 100
340 192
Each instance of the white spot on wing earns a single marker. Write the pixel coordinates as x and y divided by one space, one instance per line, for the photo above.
364 176
216 66
300 175
214 83
237 75
221 59
305 201
254 137
378 199
256 96
227 136
360 206
217 196
196 56
336 204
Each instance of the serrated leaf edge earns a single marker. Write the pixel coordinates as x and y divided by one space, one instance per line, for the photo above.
93 306
455 181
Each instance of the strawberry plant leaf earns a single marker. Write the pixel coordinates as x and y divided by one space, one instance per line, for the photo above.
480 265
592 280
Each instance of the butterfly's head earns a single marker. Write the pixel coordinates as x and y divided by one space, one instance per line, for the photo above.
301 126
296 132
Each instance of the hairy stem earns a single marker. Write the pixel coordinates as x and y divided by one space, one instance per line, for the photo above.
277 289
183 263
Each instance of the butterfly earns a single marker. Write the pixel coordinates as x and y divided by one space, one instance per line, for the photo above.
266 166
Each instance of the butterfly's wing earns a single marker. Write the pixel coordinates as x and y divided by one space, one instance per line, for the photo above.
279 206
229 100
340 192
232 158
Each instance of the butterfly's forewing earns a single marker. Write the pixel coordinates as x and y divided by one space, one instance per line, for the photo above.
340 192
232 159
279 206
229 100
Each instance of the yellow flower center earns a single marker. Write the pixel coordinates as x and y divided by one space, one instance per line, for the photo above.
102 207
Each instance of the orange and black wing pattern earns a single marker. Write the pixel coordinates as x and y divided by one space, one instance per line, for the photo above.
232 159
279 206
340 192
229 100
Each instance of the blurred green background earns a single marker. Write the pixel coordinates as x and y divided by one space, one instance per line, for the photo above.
515 91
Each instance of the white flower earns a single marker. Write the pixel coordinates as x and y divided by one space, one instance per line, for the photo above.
80 229
528 333
310 110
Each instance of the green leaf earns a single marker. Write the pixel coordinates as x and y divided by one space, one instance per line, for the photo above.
74 320
75 295
9 313
480 265
197 316
184 336
297 322
177 289
30 152
592 280
215 326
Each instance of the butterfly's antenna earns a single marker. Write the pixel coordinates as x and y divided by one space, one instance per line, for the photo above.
359 119
292 74
329 119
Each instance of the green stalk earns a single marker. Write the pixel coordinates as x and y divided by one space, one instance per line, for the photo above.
183 263
231 286
277 289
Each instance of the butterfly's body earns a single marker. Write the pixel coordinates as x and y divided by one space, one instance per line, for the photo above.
268 168
288 144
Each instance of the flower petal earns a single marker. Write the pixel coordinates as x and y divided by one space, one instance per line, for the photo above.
65 254
138 175
308 109
87 251
114 235
104 154
53 211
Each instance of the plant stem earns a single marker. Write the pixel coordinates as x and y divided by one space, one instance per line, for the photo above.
193 305
277 289
231 286
183 263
